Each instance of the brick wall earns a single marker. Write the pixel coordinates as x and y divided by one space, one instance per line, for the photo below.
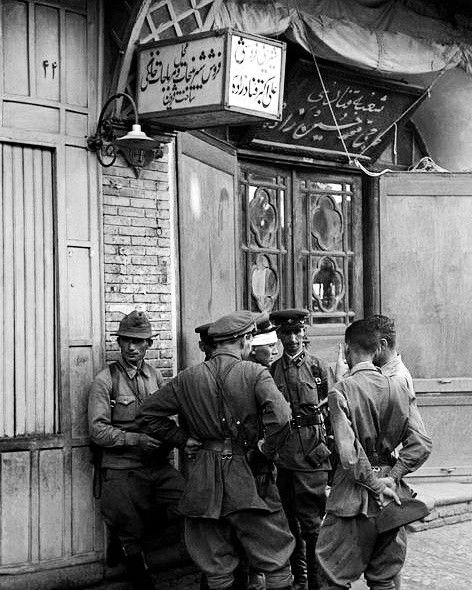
137 253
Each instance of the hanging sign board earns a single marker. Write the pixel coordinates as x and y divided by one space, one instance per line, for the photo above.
221 77
363 107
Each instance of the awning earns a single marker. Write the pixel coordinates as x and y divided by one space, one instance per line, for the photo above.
385 36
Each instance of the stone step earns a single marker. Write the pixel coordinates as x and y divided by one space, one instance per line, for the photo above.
450 502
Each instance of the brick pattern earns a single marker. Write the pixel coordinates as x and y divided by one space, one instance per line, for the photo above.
136 235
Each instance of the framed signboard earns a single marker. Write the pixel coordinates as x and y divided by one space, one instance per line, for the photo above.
364 106
216 78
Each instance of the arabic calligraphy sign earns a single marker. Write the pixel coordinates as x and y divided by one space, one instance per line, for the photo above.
364 107
216 78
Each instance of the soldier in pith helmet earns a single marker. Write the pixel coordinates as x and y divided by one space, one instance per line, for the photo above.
222 402
303 462
137 478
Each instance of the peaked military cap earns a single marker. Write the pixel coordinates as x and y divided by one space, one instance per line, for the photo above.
232 326
135 325
266 331
289 319
202 331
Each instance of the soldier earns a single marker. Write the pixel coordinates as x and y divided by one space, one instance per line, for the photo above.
370 416
303 462
206 344
222 401
138 481
265 342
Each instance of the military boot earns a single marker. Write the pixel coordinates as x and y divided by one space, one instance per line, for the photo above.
138 573
298 565
312 567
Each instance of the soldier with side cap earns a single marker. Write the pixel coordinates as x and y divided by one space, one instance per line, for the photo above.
138 481
222 401
303 463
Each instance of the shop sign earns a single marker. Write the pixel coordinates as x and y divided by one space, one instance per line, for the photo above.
216 78
364 107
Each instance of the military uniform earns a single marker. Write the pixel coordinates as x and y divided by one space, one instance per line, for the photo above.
223 401
138 485
303 463
370 415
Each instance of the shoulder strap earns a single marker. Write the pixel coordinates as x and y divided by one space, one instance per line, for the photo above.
221 398
114 372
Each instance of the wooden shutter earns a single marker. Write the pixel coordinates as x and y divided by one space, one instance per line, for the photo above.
206 215
426 285
27 345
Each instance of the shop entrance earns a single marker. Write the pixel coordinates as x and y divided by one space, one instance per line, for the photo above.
300 237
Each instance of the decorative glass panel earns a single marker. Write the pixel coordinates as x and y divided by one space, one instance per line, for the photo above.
327 223
328 285
264 283
263 217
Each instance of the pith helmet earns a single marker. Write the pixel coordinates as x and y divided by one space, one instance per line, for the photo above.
135 325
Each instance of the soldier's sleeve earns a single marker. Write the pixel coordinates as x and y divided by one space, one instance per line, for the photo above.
351 454
275 412
154 416
416 445
102 431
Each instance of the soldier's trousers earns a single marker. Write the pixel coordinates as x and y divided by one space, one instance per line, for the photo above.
351 546
264 537
135 499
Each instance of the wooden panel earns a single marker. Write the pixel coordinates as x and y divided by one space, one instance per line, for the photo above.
426 268
51 504
81 375
82 501
80 312
28 291
15 47
444 418
47 64
207 239
77 194
76 124
76 70
30 117
15 507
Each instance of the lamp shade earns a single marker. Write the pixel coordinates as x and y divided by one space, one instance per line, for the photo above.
136 139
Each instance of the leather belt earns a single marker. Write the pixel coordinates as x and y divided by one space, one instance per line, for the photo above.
299 421
226 447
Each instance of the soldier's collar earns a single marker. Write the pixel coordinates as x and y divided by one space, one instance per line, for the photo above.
364 366
297 360
132 371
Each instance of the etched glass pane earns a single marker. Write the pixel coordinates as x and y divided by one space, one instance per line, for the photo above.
328 286
327 223
262 216
264 283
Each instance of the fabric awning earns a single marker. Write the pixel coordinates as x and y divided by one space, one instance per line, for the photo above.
385 36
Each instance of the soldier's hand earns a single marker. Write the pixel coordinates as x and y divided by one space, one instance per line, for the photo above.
191 447
341 366
387 496
147 443
389 482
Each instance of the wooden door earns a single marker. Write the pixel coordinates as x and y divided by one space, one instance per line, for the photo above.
426 285
301 245
206 235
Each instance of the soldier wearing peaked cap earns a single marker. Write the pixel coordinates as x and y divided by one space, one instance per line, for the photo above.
303 463
138 481
206 343
223 400
264 344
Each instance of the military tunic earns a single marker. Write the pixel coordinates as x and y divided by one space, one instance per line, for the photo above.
370 416
220 494
134 484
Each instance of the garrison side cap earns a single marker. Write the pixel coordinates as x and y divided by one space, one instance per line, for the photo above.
290 319
135 325
232 326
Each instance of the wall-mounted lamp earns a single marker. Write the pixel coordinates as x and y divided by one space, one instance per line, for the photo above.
138 149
